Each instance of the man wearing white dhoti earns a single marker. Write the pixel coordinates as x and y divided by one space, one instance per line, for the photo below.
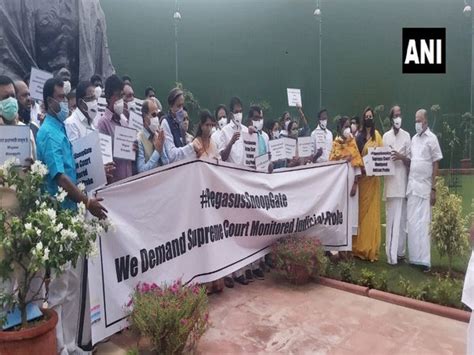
468 297
425 154
395 187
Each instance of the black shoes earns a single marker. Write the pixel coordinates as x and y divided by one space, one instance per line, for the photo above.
248 275
228 282
258 274
241 280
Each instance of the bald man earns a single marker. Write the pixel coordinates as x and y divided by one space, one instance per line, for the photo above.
425 154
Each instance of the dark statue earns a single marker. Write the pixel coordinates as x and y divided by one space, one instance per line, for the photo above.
51 34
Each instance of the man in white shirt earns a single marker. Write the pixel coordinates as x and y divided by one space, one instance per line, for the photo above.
230 144
398 140
322 138
425 154
79 124
175 139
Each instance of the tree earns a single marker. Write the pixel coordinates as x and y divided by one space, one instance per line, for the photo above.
449 226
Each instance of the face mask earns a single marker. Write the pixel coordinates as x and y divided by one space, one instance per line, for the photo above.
67 87
222 122
131 105
180 115
213 130
397 122
238 118
369 123
92 108
418 127
118 107
347 132
323 124
154 124
9 108
258 124
276 134
63 111
98 92
353 128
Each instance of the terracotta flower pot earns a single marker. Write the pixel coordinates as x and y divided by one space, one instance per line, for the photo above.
39 340
298 275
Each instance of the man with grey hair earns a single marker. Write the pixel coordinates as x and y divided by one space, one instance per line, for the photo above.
424 157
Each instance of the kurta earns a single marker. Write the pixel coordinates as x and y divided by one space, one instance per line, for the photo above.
367 244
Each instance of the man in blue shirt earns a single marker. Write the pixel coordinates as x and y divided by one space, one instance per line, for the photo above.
54 150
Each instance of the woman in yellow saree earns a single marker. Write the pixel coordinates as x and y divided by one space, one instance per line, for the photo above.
367 244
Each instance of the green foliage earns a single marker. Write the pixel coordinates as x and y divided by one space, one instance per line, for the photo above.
346 271
381 282
449 226
466 126
291 253
37 234
367 278
172 317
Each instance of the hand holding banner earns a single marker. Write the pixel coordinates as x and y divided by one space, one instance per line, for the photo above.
294 97
89 163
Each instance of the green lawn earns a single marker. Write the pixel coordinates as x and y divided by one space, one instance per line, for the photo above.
412 273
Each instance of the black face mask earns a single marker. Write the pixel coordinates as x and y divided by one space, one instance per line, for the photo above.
369 123
24 114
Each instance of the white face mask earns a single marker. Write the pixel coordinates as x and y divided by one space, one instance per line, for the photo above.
276 134
118 107
347 132
323 124
92 109
353 128
258 124
238 118
397 122
154 124
67 87
98 92
418 127
213 130
222 122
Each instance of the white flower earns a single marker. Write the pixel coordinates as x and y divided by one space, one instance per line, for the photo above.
7 165
39 168
61 195
46 254
38 233
81 209
81 186
94 251
37 203
58 227
28 226
13 187
66 233
39 247
51 214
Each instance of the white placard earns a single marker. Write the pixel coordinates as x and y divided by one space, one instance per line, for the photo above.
250 148
305 147
232 217
135 121
277 149
89 163
102 103
124 138
15 143
106 148
379 162
37 80
320 138
290 147
294 97
262 162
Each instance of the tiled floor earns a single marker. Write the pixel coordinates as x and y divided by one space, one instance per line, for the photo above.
271 316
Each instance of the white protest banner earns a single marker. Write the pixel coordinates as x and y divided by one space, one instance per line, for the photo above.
368 165
106 148
135 121
305 147
250 148
381 162
231 220
290 147
37 80
123 143
277 149
89 164
102 103
262 162
15 143
294 97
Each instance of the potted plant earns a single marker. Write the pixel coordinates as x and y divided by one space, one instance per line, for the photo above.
466 125
299 259
171 317
36 234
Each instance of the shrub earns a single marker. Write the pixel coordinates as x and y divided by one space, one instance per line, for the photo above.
295 255
381 283
449 226
367 278
346 270
172 317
